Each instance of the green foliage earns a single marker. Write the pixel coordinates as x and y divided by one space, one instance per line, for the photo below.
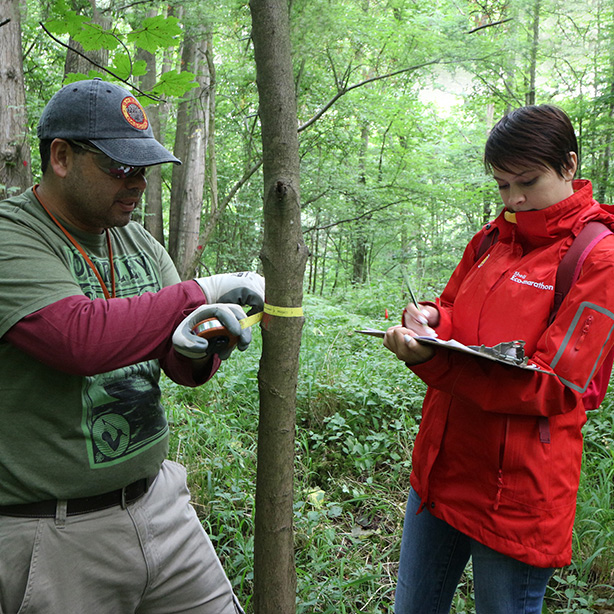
152 34
159 32
358 411
125 67
66 21
174 83
391 173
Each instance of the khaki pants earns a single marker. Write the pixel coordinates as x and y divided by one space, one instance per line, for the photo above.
151 558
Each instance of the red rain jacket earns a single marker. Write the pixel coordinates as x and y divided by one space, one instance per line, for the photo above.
481 461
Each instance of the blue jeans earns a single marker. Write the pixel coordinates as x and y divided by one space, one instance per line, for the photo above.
433 557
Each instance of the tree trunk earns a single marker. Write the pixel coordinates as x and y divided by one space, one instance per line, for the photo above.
530 95
284 256
604 181
152 213
361 241
15 172
190 147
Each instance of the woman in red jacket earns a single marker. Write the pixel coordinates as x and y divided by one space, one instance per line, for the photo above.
496 462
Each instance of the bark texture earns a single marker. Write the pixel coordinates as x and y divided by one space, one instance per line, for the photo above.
15 173
191 148
283 258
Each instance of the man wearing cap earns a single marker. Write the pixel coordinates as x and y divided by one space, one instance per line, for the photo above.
92 516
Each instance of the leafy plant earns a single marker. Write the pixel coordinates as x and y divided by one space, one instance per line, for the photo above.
153 33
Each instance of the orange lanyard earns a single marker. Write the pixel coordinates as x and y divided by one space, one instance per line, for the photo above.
105 290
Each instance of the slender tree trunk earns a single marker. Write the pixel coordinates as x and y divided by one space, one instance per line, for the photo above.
605 181
153 219
215 210
361 241
15 173
323 269
530 96
284 256
190 148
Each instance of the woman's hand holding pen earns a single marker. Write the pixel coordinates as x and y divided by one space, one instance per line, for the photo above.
417 322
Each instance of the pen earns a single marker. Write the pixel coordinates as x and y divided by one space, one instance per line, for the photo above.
421 319
411 292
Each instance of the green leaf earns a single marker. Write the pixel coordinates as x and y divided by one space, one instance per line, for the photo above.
70 23
124 68
92 36
139 68
92 74
66 20
156 32
334 511
173 83
73 77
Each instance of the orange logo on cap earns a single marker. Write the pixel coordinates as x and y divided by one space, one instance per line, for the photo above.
134 113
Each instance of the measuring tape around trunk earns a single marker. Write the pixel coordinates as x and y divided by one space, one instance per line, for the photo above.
272 310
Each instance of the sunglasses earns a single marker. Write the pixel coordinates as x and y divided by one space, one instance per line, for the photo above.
108 165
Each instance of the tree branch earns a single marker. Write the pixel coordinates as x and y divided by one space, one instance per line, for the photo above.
353 219
345 90
120 9
3 23
313 199
490 25
241 182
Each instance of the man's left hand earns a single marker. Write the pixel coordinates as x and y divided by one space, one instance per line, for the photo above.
239 288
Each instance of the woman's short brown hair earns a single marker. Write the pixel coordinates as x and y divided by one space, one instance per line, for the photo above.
539 135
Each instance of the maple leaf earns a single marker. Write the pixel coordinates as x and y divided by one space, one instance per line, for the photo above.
156 32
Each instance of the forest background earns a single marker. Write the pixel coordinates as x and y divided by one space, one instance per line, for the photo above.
394 101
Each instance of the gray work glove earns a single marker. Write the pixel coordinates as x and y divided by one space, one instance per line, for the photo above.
238 288
191 345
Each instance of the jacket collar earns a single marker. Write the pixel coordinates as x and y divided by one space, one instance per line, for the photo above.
534 228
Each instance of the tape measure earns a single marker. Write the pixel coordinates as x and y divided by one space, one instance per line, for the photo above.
216 334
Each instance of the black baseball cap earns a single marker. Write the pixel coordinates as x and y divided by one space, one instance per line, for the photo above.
106 115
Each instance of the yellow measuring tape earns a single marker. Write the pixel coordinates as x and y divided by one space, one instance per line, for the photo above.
282 312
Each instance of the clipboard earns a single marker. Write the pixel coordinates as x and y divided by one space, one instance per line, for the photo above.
510 353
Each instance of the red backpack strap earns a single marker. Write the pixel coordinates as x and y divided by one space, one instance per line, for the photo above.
571 264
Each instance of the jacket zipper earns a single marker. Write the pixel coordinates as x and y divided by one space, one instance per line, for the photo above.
583 332
500 482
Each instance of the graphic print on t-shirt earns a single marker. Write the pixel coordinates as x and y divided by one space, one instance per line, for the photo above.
122 414
134 274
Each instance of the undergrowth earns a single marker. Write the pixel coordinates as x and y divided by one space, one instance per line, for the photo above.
358 412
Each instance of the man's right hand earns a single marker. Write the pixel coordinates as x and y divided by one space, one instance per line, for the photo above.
189 344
